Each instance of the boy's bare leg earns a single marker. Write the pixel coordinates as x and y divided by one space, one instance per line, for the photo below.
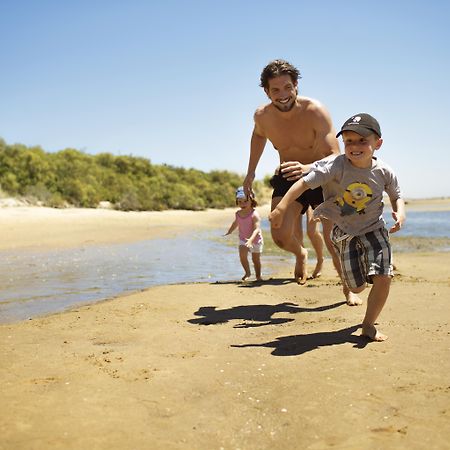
243 255
351 298
287 238
316 238
375 303
257 265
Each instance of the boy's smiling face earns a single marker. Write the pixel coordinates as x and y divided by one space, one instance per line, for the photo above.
359 150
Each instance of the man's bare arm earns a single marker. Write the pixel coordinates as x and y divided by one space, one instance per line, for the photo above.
257 144
326 142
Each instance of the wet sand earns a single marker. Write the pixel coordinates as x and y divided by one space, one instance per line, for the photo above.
229 365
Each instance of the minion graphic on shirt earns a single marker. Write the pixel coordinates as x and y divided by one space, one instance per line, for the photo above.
354 199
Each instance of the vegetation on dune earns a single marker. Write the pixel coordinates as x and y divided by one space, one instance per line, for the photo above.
72 177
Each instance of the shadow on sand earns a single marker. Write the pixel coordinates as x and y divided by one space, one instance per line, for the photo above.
257 315
303 343
254 283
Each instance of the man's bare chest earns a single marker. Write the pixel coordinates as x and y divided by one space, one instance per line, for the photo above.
288 134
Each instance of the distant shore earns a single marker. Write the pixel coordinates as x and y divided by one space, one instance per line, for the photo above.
41 227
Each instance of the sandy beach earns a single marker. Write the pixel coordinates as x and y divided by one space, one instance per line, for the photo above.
223 365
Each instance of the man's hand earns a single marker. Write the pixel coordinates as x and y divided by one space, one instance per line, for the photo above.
247 185
293 170
399 219
276 218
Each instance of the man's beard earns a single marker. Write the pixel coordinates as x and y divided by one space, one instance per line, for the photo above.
284 108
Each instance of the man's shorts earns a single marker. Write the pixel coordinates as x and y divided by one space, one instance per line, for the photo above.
311 197
363 256
256 248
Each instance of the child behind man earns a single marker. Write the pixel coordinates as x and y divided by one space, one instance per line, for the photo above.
248 222
353 186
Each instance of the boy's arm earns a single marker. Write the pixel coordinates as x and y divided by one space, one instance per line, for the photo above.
277 215
398 213
233 226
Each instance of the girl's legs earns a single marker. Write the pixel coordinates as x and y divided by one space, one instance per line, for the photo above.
243 255
256 258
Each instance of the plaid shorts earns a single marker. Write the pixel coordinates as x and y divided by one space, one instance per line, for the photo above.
363 256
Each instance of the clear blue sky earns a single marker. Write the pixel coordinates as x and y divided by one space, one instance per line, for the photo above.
176 81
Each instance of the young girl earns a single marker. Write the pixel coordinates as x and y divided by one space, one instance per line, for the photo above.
250 237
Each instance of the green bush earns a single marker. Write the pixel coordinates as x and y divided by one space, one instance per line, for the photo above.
73 177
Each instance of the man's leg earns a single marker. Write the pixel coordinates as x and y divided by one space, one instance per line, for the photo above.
316 238
287 238
351 298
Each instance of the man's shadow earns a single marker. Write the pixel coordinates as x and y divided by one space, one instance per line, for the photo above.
303 343
256 283
258 315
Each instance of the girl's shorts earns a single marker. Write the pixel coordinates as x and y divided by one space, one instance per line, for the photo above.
257 248
363 256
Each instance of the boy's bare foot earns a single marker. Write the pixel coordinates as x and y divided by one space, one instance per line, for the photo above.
301 273
318 269
351 298
372 333
245 277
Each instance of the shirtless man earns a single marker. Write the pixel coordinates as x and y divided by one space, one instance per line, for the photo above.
301 131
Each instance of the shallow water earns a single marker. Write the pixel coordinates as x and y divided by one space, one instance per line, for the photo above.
37 283
424 224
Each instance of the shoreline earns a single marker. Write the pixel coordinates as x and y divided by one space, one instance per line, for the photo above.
222 365
234 365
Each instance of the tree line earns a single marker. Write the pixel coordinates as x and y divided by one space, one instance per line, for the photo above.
74 178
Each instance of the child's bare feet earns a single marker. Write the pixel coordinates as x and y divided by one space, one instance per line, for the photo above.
372 333
352 299
245 277
318 269
300 273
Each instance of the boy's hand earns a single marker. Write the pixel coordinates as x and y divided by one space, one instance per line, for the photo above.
249 244
399 219
276 218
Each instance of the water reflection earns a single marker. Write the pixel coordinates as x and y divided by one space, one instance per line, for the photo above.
35 283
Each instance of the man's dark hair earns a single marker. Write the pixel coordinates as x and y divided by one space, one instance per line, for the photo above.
277 68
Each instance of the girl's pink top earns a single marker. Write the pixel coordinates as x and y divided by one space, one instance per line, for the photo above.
245 225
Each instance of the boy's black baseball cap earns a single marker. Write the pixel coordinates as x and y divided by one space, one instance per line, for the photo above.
363 124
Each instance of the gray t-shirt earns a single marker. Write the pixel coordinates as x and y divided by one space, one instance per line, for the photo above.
353 196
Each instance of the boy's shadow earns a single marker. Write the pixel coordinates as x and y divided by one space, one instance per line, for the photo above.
262 314
303 343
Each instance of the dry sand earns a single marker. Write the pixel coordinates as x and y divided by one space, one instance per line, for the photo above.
223 366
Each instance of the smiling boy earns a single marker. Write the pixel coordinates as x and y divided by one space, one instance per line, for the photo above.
353 185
